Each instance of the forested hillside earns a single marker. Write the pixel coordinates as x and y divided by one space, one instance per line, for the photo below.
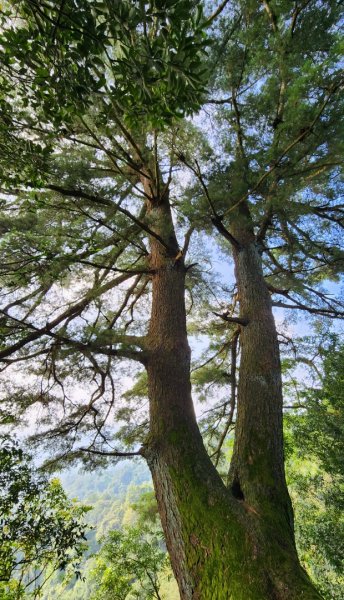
112 493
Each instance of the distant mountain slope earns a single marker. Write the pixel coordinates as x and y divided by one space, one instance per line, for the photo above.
110 492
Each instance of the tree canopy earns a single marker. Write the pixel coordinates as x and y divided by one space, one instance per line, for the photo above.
112 200
79 212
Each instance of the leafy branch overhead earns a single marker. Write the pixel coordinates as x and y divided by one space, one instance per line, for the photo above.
142 59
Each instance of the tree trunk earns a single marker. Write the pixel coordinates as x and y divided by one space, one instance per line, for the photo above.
257 466
234 543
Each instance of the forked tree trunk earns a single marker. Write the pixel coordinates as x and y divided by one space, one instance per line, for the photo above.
224 543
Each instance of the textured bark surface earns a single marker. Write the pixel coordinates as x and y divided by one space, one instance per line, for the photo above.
225 543
258 464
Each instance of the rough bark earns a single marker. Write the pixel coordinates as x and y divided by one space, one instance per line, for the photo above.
257 467
224 543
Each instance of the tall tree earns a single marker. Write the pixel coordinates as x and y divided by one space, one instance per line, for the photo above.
97 218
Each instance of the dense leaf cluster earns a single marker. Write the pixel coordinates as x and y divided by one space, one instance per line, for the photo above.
41 530
142 59
316 474
128 565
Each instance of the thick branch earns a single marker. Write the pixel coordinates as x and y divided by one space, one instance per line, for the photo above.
72 311
265 224
226 317
77 193
216 13
325 312
109 453
88 346
272 16
289 147
297 11
217 222
219 101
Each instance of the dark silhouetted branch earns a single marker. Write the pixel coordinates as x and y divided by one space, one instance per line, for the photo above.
226 317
